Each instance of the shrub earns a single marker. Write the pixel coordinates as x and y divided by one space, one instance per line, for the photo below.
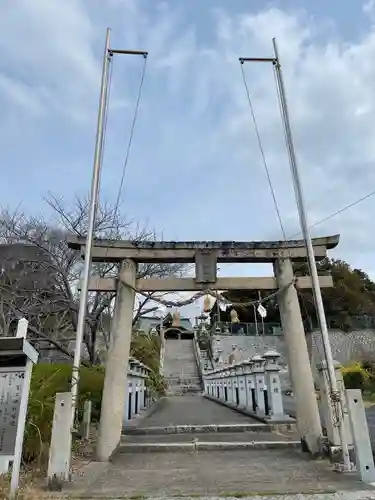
355 376
47 380
146 348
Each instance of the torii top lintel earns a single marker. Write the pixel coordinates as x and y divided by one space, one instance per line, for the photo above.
186 251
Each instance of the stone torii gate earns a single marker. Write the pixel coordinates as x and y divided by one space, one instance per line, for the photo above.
205 255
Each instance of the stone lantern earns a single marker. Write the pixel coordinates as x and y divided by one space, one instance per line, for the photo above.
272 376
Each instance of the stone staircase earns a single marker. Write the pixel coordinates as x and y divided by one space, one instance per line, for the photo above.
180 367
193 423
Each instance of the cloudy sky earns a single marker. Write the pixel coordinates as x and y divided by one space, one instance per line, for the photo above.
195 170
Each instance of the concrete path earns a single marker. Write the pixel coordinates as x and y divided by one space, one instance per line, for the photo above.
193 410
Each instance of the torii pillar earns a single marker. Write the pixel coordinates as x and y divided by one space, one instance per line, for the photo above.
308 420
116 369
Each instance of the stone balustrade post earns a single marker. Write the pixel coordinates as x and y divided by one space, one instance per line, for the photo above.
241 384
212 383
259 376
130 397
209 385
143 392
205 382
143 387
214 386
217 385
250 379
133 387
236 388
137 394
274 393
225 385
222 385
247 374
231 397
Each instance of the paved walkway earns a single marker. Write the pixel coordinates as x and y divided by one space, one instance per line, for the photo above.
193 410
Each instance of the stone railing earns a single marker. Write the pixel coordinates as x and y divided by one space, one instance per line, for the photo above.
139 396
252 386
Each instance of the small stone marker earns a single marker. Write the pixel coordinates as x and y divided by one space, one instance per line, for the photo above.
86 422
59 453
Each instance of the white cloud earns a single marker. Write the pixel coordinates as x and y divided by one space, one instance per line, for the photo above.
47 46
21 95
329 85
195 169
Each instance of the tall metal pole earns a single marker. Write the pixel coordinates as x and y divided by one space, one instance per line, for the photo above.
91 222
335 395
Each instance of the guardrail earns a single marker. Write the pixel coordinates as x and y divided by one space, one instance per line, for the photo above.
252 386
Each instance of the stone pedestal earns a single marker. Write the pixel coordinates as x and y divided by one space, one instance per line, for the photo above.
308 420
115 381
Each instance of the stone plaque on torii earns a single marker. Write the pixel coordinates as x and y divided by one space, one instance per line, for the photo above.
206 255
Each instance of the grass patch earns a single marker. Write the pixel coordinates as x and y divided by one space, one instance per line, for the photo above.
30 487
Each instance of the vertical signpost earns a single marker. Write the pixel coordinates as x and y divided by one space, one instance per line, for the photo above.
17 358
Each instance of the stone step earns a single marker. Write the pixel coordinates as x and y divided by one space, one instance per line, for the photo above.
208 442
238 474
206 429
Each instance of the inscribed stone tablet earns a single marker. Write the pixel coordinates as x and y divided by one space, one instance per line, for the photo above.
11 384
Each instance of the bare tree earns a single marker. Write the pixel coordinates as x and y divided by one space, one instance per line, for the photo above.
51 304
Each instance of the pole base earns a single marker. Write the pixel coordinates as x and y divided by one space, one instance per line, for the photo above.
342 468
337 459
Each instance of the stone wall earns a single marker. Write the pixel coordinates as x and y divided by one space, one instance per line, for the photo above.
346 347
